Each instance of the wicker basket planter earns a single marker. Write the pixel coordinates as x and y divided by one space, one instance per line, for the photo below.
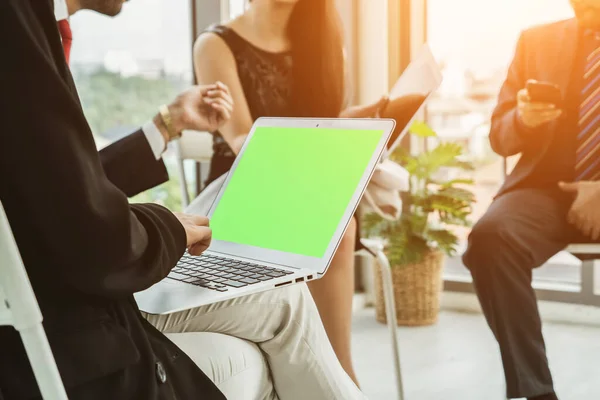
417 290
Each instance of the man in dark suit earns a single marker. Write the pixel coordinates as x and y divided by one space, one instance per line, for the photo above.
133 163
550 199
87 250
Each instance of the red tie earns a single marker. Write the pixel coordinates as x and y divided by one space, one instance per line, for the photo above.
67 37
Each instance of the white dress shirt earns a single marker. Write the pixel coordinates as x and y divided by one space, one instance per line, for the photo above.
60 10
155 139
153 135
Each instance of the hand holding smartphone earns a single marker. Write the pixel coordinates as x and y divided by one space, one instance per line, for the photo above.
544 92
539 103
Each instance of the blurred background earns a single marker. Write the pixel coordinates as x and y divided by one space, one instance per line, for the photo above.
143 58
124 67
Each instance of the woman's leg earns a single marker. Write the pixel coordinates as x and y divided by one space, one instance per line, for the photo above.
333 296
285 325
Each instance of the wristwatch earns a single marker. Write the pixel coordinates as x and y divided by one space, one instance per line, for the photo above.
165 115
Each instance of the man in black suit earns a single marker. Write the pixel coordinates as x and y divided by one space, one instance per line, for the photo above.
87 250
550 199
133 163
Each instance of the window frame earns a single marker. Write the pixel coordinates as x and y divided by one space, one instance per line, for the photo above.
583 294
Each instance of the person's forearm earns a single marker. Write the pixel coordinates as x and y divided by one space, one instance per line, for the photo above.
133 163
506 134
237 143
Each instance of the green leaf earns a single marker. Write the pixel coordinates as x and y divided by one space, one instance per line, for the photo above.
373 225
421 129
452 220
411 165
417 223
430 162
451 210
406 249
460 181
401 155
464 165
444 240
456 193
450 201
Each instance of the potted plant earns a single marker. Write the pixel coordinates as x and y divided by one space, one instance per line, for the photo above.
417 243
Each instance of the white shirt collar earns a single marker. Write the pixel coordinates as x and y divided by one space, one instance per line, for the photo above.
60 10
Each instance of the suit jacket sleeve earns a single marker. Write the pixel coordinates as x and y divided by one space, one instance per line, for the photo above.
507 131
130 164
51 178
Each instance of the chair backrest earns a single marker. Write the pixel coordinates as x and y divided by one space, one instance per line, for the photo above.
19 308
196 146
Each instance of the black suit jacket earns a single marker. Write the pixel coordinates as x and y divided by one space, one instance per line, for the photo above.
85 248
131 166
545 53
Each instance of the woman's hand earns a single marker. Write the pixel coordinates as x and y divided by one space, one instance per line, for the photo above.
238 143
366 111
200 108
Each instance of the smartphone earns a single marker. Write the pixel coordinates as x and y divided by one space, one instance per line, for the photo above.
544 92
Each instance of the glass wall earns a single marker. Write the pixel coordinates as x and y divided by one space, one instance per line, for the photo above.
475 41
125 67
236 7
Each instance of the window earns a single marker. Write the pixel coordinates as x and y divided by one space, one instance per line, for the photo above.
475 40
125 67
236 7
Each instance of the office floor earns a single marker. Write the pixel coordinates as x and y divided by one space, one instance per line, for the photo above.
457 359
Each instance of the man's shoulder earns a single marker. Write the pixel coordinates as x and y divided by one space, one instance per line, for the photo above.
26 19
544 30
24 7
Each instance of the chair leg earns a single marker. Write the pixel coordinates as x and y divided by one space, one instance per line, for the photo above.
43 363
185 196
390 311
588 281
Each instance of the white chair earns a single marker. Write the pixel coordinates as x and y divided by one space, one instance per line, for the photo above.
19 308
196 146
588 254
375 248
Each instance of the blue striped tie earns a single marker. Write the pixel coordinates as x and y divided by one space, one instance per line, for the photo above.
587 160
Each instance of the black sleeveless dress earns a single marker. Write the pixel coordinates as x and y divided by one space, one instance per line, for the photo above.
266 81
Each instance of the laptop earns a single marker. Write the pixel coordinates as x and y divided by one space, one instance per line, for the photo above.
412 90
280 214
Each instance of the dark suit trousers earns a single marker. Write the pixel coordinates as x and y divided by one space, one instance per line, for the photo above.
521 230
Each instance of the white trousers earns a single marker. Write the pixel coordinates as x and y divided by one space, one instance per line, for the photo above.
285 325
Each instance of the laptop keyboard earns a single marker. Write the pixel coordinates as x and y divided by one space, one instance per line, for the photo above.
222 274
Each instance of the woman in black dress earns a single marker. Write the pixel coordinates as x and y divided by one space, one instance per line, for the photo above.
285 58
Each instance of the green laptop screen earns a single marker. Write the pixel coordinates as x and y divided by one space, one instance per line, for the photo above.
292 187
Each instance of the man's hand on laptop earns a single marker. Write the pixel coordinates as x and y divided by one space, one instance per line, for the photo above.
197 232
